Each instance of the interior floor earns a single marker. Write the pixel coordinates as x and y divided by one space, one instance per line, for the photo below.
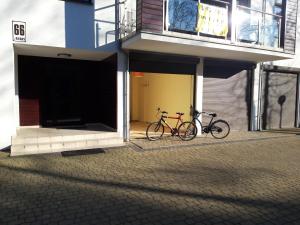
138 129
63 131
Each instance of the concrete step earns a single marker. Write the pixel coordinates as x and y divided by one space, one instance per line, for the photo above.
39 145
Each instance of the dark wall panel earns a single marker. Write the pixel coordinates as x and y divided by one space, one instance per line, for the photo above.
162 63
279 100
150 15
30 113
28 82
291 25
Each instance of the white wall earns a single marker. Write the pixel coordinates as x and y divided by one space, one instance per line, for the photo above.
169 92
51 23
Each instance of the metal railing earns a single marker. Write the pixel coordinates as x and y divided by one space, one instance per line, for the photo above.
251 25
182 16
127 17
258 27
127 23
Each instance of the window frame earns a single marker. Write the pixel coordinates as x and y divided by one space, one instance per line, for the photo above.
87 2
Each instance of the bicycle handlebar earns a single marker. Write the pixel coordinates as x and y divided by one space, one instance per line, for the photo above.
197 113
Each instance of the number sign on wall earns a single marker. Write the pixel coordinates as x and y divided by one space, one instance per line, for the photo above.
19 31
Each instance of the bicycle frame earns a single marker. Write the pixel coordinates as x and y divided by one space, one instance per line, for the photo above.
164 122
204 128
217 127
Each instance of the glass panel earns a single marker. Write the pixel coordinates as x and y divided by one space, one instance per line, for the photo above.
271 31
244 3
274 6
182 15
248 26
260 27
257 4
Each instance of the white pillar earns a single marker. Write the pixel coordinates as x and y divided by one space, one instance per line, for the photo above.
298 103
199 89
16 96
255 114
123 96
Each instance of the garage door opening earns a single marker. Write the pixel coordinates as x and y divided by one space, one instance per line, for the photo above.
150 91
60 92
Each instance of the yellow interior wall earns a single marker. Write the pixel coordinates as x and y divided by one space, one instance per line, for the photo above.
172 93
134 98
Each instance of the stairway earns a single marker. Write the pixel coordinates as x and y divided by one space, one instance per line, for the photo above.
40 142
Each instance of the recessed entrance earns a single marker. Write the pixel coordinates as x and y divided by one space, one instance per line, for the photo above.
60 92
150 91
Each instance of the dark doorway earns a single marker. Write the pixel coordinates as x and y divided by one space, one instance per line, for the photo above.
61 97
60 92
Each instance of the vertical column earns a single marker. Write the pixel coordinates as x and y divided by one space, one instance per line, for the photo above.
123 96
117 20
233 21
199 89
298 101
16 96
255 109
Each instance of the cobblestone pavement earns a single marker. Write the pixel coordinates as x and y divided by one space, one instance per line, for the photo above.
250 182
168 141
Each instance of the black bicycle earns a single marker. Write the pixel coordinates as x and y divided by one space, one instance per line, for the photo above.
185 130
219 128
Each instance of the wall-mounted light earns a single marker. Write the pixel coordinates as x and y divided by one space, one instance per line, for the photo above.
137 74
68 55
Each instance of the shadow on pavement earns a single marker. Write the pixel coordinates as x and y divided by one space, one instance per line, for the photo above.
58 197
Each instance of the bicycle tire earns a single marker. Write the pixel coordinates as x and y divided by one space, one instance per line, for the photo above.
219 129
187 131
199 125
155 131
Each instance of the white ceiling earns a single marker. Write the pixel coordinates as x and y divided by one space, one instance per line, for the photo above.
46 51
199 48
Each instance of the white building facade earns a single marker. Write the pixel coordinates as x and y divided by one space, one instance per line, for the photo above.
70 62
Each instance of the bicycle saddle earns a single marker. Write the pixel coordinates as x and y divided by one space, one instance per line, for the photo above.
164 112
180 113
212 114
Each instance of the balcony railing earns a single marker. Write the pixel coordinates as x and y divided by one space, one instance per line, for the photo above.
257 27
213 20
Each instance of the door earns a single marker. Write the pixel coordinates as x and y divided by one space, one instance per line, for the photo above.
61 104
279 100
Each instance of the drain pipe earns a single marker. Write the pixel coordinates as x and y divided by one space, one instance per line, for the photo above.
126 103
124 65
259 114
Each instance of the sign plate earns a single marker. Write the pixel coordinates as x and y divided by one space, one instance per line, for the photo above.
19 31
212 20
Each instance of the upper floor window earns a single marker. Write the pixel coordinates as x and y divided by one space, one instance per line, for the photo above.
268 6
260 22
205 17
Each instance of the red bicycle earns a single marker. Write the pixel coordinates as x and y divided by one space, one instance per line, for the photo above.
185 130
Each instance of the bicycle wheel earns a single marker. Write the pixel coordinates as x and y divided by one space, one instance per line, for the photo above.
155 131
198 125
187 131
219 129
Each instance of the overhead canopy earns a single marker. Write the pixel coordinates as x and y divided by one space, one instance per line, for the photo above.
202 47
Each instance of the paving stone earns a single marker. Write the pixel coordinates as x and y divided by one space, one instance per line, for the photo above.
237 182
